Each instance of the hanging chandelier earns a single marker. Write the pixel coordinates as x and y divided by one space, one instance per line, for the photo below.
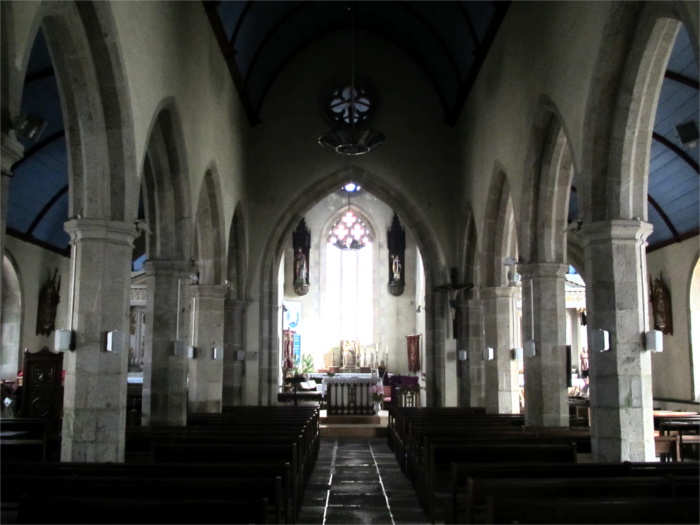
350 106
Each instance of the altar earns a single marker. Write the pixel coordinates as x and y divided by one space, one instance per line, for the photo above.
351 394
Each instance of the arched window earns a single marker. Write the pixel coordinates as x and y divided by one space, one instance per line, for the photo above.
349 278
695 328
11 321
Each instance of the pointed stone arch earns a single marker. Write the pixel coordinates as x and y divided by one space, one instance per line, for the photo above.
209 230
635 46
166 200
165 187
235 305
500 237
237 264
549 173
470 317
97 109
434 264
12 306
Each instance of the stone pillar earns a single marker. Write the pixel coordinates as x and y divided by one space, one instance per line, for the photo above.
234 331
11 151
501 373
544 321
94 402
463 375
164 373
475 347
205 388
622 423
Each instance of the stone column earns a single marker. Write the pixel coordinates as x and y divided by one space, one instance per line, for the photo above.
11 151
164 373
501 373
544 321
234 331
94 402
620 379
464 377
205 388
475 347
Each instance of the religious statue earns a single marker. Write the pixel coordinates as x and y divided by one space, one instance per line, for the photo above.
349 354
300 268
661 306
49 298
396 267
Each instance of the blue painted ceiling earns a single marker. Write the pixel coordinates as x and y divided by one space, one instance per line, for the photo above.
448 40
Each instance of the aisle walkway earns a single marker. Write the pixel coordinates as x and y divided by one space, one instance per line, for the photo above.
357 480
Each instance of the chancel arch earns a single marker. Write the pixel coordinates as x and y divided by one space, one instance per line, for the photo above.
435 272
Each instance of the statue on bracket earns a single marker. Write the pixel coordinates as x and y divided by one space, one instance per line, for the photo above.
301 242
49 297
397 251
660 298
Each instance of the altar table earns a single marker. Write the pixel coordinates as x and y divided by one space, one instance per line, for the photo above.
351 394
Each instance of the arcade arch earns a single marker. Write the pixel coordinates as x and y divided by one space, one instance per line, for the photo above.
435 272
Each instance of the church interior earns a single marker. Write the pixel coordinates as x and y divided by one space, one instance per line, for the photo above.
229 224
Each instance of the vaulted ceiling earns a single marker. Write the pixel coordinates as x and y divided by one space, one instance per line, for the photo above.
448 40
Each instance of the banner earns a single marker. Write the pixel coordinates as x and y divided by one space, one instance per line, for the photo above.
413 348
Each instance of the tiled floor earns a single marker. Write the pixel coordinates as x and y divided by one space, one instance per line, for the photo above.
357 480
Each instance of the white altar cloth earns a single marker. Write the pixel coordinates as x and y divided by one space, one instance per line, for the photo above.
368 379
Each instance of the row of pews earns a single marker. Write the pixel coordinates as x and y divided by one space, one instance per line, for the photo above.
470 467
245 465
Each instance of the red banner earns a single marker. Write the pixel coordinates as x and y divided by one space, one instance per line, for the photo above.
413 348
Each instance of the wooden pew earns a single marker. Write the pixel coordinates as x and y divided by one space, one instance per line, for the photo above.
593 510
434 482
24 439
480 489
462 502
20 479
231 453
35 509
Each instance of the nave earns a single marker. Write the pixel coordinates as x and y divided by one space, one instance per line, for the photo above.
358 480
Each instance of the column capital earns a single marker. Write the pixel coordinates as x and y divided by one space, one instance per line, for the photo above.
498 292
543 269
237 304
115 232
154 267
12 151
214 291
604 232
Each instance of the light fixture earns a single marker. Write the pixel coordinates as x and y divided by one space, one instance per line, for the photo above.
600 340
529 349
462 355
115 341
488 354
64 340
654 341
29 127
350 106
688 133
